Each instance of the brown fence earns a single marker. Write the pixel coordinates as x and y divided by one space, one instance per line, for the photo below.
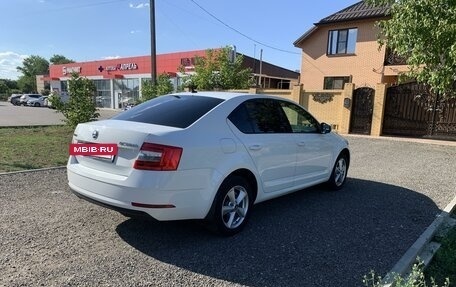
412 110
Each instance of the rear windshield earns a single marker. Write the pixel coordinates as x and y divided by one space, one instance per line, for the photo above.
173 111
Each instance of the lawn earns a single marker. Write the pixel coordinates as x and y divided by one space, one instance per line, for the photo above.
443 264
33 147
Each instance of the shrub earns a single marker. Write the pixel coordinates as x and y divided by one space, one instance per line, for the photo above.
80 107
415 279
162 87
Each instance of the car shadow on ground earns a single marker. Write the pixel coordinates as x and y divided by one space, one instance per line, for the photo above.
314 237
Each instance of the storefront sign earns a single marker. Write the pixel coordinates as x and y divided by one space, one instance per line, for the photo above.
121 67
69 70
188 62
128 66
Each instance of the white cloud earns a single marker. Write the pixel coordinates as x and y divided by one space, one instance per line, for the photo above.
139 6
111 57
8 63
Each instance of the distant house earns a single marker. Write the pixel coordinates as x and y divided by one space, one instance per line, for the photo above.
342 48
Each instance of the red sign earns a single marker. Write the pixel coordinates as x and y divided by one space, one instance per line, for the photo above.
93 149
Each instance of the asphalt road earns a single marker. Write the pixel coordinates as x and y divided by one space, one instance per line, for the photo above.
32 116
314 237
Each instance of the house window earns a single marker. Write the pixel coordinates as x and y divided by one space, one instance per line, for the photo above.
342 41
335 83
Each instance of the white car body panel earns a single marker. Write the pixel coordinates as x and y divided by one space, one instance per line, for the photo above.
212 150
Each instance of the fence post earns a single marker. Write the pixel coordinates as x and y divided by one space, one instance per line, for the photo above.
296 93
379 110
253 91
347 95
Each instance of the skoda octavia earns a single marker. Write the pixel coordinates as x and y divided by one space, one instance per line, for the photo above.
206 156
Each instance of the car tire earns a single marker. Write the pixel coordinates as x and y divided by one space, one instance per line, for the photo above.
339 172
36 105
232 206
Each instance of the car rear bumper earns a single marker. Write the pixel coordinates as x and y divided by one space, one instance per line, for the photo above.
124 211
168 195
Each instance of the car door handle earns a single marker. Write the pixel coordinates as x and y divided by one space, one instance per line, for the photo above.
255 147
301 143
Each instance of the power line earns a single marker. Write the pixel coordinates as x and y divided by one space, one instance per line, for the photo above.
86 5
242 34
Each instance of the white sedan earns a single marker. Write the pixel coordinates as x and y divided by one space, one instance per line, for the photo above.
206 155
38 102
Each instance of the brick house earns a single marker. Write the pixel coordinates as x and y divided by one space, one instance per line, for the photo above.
343 48
348 80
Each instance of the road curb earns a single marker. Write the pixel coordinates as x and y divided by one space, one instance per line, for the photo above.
33 170
32 126
404 265
404 139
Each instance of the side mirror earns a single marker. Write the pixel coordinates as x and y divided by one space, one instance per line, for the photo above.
325 128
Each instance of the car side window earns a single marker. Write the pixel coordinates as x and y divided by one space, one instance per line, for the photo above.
240 118
260 116
300 120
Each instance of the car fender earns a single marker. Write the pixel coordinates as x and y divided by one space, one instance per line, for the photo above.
231 162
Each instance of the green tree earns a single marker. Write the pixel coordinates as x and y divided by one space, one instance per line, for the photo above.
218 70
80 107
12 84
4 89
26 84
162 87
59 59
31 67
423 32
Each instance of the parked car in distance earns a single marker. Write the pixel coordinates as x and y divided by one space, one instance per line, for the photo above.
206 156
64 97
26 97
39 102
14 99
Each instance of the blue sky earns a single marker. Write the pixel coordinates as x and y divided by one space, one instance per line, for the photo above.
87 30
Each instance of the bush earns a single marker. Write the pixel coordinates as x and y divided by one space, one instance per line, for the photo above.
444 262
80 107
415 279
162 87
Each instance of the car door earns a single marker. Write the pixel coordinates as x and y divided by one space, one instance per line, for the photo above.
265 132
314 149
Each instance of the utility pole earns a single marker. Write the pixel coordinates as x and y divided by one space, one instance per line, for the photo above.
254 63
261 68
153 52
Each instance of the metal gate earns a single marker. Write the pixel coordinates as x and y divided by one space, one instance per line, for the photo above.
412 110
362 109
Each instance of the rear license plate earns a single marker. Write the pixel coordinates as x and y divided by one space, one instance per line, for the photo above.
109 158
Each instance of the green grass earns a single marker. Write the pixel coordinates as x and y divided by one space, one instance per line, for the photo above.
443 264
25 148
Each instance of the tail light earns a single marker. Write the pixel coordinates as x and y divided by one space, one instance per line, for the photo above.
158 157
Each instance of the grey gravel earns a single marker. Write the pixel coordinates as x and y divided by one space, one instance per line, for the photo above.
49 237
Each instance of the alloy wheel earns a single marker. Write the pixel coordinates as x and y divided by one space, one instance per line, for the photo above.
340 171
235 207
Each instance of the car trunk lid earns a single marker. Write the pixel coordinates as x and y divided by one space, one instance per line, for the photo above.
127 135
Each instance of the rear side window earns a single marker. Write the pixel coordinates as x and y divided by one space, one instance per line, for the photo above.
173 111
260 116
